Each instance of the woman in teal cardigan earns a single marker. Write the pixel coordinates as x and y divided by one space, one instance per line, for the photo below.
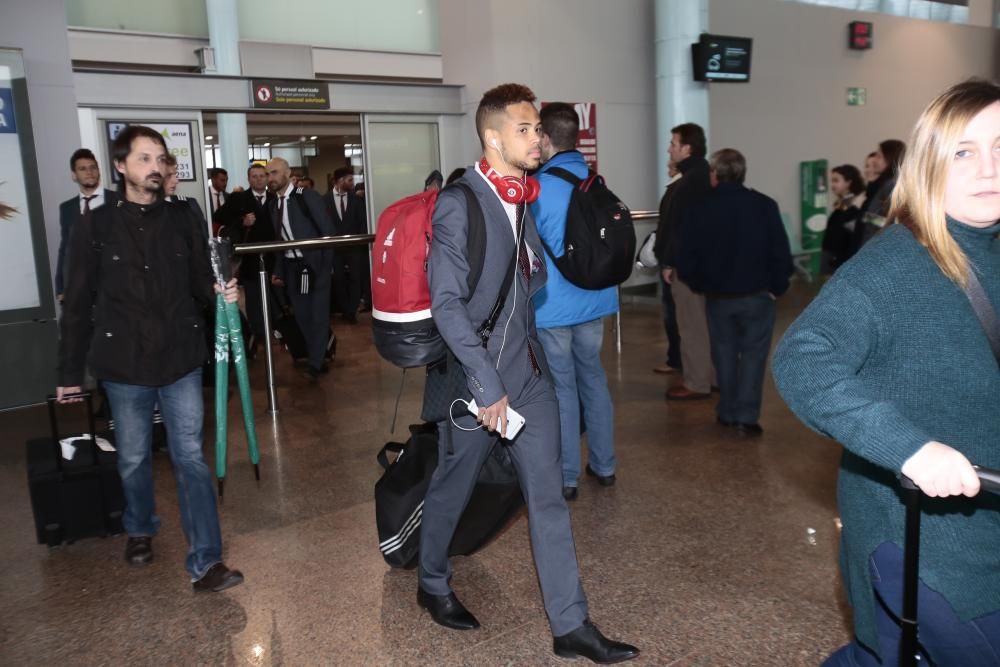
891 361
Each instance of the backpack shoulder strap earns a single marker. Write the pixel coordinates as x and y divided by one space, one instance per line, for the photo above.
475 237
984 312
565 175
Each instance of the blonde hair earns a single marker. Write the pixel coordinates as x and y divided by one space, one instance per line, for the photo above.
918 198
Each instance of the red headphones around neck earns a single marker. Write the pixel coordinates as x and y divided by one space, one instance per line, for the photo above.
511 189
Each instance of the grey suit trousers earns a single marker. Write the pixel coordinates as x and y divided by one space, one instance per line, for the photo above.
535 453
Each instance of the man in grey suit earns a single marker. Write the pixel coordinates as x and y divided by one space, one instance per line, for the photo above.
509 369
298 214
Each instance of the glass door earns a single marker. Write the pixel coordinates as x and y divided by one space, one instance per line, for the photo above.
399 153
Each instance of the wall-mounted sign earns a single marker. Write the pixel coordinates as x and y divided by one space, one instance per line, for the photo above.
856 97
19 287
586 139
814 193
289 94
859 35
179 143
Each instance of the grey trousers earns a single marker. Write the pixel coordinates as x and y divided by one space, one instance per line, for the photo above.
696 348
535 453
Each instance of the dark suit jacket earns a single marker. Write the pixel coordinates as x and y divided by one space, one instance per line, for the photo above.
355 217
308 219
230 216
69 214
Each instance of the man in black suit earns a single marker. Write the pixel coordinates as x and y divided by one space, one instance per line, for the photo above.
245 218
299 214
350 268
87 175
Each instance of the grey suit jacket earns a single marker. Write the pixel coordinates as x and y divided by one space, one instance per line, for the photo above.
457 314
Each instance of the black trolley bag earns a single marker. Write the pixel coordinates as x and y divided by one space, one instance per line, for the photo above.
77 498
399 498
909 646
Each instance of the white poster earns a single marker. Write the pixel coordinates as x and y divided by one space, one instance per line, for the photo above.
19 286
177 136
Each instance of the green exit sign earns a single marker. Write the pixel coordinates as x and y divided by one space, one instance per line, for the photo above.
856 97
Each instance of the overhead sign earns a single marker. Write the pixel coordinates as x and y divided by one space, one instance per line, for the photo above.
586 139
289 94
177 135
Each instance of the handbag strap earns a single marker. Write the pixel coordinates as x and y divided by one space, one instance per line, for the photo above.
984 312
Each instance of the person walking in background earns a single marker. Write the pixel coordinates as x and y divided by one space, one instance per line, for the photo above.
672 362
891 360
847 186
875 210
687 151
736 254
569 318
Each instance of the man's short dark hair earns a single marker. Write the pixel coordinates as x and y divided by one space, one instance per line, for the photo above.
80 154
255 166
691 135
561 124
894 150
495 101
729 165
122 145
171 159
341 172
215 171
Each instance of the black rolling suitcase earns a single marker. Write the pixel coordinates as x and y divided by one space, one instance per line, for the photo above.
909 646
76 498
286 330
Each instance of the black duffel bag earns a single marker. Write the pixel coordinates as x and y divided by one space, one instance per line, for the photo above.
399 498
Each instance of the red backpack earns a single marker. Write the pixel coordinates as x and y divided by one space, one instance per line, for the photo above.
403 329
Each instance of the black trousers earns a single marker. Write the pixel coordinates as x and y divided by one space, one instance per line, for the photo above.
351 279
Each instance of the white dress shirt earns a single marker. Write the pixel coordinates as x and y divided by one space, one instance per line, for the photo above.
286 227
511 210
97 199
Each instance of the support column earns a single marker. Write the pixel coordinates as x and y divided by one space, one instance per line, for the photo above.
224 37
679 98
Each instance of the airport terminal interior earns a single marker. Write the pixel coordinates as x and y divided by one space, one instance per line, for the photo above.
714 542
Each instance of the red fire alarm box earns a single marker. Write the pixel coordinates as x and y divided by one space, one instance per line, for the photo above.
860 35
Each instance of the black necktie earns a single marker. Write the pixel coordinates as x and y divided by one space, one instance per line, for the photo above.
341 195
260 199
280 222
86 203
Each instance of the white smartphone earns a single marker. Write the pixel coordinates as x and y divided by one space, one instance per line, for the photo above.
515 422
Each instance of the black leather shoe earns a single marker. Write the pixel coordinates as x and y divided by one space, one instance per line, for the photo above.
446 610
218 578
725 422
603 480
588 642
750 430
139 550
569 493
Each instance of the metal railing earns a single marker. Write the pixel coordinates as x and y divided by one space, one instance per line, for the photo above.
261 249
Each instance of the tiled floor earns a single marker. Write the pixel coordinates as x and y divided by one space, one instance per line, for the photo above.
710 550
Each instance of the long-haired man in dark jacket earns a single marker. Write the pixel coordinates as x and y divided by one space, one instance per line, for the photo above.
138 279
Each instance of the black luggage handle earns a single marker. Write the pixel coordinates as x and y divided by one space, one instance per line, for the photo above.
990 482
52 400
394 447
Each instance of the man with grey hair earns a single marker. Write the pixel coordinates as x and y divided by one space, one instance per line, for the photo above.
298 213
736 253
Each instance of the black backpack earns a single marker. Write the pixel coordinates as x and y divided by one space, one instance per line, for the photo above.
599 243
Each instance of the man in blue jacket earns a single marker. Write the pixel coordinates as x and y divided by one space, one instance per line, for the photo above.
569 317
736 254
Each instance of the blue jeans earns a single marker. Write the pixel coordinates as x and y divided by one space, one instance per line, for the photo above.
943 637
574 356
183 413
740 331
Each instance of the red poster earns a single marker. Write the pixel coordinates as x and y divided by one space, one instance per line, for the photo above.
586 141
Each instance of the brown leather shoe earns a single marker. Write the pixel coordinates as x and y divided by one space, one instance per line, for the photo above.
664 369
218 578
682 393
